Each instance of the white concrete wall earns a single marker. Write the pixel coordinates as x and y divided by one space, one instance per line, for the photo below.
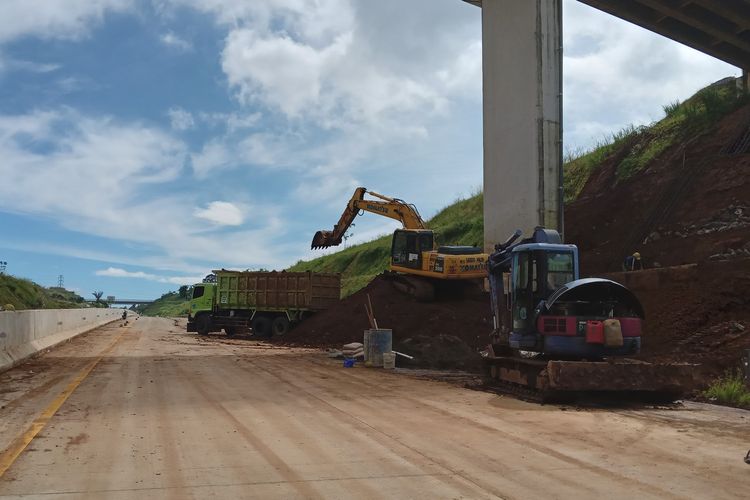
521 64
25 333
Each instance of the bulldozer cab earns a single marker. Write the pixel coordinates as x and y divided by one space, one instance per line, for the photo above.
407 247
538 270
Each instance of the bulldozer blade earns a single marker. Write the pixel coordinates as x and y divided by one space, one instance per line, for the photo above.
324 239
620 375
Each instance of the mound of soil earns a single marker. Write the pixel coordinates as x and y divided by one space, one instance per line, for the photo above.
696 314
445 333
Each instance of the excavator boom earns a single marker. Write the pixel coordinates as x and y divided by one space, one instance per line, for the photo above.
384 205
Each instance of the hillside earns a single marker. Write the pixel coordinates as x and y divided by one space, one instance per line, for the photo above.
25 294
685 175
677 191
169 305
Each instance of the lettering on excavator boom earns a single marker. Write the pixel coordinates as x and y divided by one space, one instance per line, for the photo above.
376 208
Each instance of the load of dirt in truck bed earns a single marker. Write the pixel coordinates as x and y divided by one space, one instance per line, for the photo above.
444 334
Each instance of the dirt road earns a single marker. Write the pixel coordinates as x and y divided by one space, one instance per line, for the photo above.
165 414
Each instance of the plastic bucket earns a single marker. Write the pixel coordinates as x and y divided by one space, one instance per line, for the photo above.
380 341
389 360
349 362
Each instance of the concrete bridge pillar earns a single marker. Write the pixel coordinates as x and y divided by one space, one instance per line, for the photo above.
522 89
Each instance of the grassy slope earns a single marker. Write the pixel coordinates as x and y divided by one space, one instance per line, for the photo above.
169 305
462 222
25 294
645 144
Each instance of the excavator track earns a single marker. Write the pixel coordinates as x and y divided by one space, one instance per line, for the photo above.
420 288
546 381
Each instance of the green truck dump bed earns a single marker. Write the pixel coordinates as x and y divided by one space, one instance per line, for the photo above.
263 302
306 291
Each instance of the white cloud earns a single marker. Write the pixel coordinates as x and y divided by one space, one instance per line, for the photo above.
171 40
116 272
618 74
70 19
30 66
232 121
181 119
101 177
221 213
214 155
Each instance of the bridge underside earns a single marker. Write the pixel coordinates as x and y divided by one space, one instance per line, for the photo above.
720 28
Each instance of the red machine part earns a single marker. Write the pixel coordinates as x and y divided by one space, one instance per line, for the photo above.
568 326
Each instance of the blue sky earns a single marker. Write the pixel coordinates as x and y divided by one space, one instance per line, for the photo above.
144 143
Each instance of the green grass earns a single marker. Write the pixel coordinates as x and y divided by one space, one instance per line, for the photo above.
730 390
169 305
646 144
25 294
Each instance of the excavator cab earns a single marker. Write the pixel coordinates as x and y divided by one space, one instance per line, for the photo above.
407 247
537 271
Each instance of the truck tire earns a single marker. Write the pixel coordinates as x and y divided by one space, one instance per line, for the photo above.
262 326
280 326
203 324
230 331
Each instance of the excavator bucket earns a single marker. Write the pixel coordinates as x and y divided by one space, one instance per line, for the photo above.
324 239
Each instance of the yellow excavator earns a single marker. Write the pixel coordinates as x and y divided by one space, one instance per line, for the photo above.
413 254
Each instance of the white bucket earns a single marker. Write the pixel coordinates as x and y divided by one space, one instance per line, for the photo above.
389 360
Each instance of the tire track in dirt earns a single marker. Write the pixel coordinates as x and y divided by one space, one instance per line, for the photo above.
357 383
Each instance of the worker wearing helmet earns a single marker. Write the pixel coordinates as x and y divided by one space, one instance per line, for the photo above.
633 262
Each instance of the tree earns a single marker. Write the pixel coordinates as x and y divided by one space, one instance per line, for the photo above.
183 292
98 295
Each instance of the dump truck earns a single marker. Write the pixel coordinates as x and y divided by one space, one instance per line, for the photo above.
556 334
416 265
268 303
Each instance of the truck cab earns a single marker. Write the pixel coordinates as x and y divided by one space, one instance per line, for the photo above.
202 299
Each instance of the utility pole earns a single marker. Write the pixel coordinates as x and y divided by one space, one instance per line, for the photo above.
60 281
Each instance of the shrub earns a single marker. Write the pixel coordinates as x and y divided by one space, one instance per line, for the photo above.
730 390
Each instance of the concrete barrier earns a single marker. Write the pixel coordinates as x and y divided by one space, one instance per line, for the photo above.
25 333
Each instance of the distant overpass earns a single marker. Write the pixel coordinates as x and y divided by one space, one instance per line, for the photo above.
124 301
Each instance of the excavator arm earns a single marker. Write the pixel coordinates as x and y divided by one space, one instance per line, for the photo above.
384 205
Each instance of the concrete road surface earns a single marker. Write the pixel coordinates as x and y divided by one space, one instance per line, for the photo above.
154 412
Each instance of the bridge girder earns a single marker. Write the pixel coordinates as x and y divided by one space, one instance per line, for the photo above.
719 28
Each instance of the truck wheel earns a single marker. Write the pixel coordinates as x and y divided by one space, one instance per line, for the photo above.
262 327
230 331
280 326
203 324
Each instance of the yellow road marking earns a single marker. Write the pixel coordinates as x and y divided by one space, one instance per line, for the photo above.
21 442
